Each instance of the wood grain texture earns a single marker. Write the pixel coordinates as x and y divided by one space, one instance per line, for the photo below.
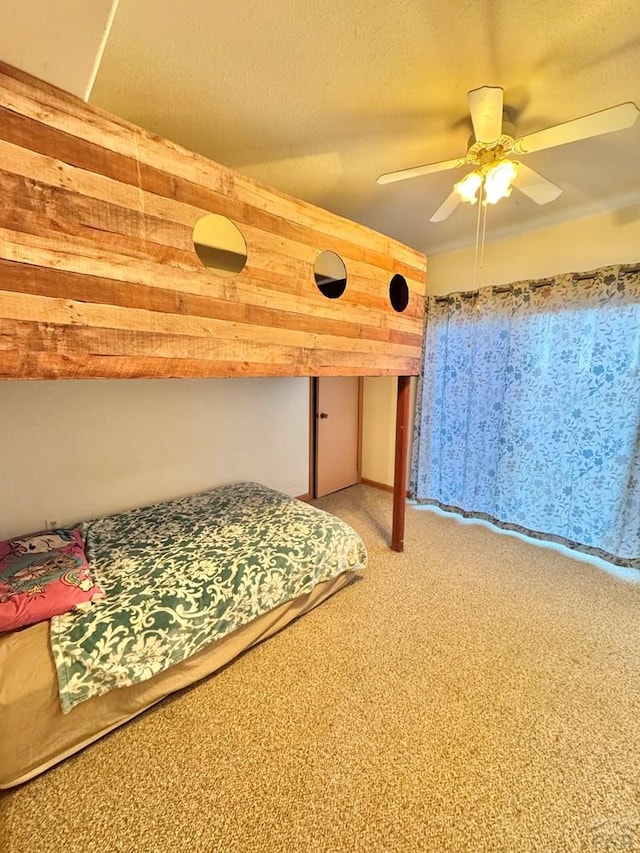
99 277
401 463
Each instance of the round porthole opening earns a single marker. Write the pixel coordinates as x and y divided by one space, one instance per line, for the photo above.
398 293
330 274
219 244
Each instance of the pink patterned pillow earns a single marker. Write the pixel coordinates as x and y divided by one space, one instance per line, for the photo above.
42 575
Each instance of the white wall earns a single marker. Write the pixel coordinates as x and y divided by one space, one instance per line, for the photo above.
378 428
379 399
584 244
76 449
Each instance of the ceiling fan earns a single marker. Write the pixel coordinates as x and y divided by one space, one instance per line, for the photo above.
495 149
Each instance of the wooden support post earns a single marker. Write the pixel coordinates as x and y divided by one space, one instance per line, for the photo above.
400 472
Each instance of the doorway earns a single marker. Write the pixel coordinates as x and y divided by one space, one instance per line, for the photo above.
337 410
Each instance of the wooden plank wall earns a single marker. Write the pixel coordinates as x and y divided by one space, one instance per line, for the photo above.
99 277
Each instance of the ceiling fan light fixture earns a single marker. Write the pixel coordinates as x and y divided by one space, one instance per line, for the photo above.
498 180
468 187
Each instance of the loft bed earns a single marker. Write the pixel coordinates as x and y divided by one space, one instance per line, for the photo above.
100 276
109 269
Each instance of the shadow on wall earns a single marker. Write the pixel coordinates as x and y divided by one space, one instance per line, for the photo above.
627 215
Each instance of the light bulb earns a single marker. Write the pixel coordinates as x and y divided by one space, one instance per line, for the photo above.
498 180
468 187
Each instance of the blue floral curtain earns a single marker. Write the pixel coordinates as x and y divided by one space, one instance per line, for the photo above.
529 409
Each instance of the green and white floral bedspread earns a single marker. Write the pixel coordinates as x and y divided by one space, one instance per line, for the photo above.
181 574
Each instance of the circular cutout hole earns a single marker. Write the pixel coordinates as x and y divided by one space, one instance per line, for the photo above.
330 274
398 293
219 244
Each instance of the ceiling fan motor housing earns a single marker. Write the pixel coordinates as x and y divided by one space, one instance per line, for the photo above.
480 154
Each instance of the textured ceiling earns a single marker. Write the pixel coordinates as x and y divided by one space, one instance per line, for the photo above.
318 97
61 43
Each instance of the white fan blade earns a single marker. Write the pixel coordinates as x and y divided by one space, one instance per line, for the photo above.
534 185
486 105
416 171
446 209
595 124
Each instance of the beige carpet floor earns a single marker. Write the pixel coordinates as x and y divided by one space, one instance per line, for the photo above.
476 693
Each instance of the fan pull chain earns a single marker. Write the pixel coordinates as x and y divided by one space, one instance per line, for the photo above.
482 242
476 270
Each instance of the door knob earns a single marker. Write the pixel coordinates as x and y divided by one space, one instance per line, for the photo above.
324 415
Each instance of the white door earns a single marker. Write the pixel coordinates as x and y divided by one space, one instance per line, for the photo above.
337 433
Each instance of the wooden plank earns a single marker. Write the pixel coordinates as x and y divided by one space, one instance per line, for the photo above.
257 225
167 224
58 345
37 136
69 312
40 281
128 217
73 366
54 366
76 255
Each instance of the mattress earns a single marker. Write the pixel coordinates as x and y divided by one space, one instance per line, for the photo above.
201 579
35 734
183 573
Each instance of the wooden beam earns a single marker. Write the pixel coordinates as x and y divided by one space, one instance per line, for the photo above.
400 471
